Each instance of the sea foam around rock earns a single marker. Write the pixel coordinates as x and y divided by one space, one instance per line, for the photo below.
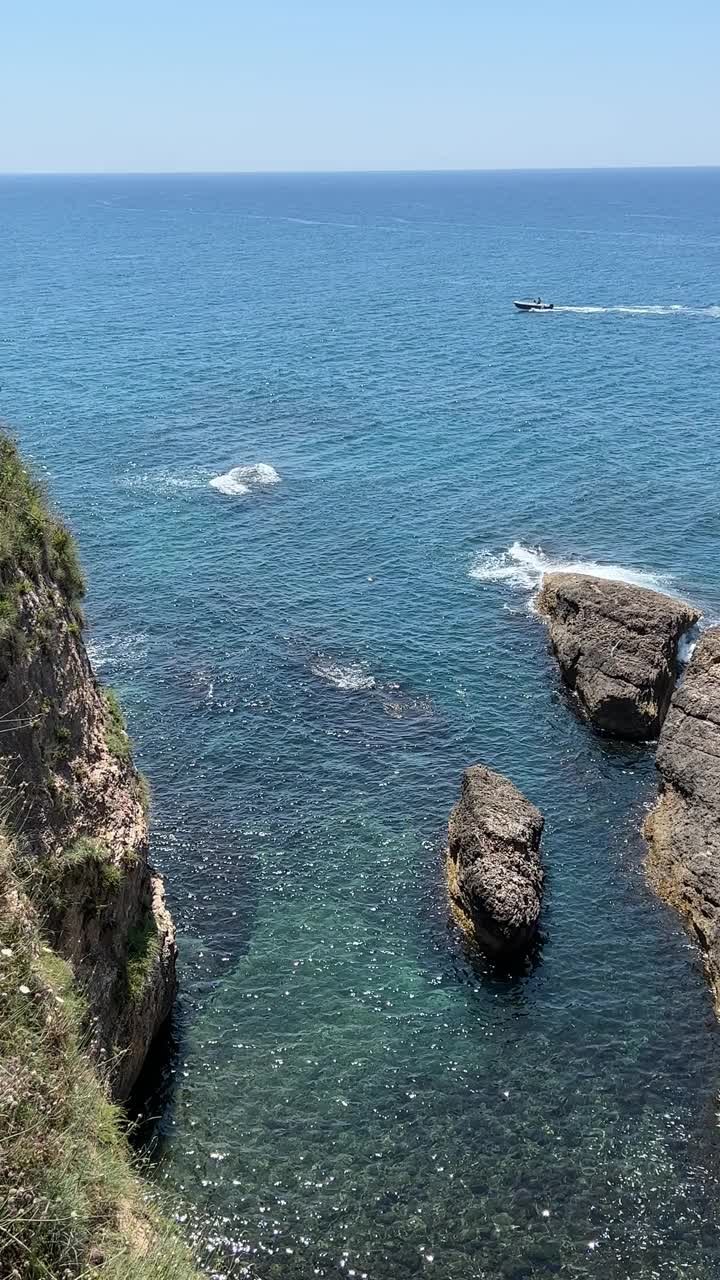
523 568
349 676
240 480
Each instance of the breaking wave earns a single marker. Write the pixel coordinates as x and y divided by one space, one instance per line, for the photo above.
687 645
239 480
523 568
351 676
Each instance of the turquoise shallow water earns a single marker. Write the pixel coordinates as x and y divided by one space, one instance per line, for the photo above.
309 664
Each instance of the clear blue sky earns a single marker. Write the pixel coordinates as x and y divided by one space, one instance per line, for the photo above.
159 85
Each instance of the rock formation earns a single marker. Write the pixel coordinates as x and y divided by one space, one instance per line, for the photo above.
617 648
494 872
72 797
683 831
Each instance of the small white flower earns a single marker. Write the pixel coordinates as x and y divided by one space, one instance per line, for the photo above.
24 991
7 952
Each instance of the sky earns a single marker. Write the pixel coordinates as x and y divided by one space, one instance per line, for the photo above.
308 85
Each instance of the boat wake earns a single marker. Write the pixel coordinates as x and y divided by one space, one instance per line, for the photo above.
239 480
522 568
713 312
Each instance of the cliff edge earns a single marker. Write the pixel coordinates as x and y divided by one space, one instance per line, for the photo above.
72 799
683 830
87 948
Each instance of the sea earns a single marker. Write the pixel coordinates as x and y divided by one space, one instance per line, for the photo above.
317 465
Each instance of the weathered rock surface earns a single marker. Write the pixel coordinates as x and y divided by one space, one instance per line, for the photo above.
683 831
495 875
76 803
617 648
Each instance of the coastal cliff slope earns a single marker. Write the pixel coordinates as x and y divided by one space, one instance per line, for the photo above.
87 949
71 794
617 648
683 831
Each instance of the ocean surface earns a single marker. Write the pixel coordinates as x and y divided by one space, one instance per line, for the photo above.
317 465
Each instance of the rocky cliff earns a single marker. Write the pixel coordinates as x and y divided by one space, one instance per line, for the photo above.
72 799
617 648
683 831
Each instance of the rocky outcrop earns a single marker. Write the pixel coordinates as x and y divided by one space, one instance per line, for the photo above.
72 798
683 831
495 876
617 647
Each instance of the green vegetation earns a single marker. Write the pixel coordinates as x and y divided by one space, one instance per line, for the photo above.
116 734
71 1205
143 950
86 850
33 541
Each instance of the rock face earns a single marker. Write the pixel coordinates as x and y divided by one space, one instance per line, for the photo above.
72 798
617 648
495 876
683 831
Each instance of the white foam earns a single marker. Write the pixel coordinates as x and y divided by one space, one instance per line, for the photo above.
164 481
523 568
118 652
687 645
239 480
673 310
352 676
229 484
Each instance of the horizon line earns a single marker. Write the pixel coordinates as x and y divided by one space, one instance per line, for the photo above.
308 173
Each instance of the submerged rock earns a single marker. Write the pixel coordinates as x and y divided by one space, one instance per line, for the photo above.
617 647
494 872
683 831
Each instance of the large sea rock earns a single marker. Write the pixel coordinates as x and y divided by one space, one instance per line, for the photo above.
495 875
617 647
683 831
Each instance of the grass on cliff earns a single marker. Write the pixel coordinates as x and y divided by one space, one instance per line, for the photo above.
71 1205
32 540
87 849
116 734
143 951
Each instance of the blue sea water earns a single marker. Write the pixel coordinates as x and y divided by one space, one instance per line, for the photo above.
311 652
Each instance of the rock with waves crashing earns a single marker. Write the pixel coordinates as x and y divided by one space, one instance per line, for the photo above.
617 647
495 875
683 831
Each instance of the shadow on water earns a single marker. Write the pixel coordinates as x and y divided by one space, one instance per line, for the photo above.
505 977
149 1108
